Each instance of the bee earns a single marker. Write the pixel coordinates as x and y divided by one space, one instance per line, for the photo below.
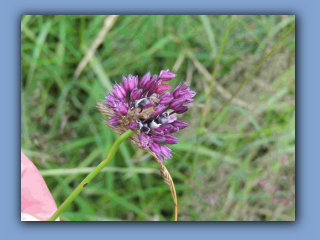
143 116
141 103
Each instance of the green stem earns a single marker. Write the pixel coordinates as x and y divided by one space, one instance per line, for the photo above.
91 175
215 70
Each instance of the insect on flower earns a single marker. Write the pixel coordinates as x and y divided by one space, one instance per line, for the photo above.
149 110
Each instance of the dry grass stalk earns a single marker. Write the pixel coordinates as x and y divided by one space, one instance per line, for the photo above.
108 23
224 93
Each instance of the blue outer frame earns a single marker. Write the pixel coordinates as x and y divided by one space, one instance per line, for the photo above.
308 83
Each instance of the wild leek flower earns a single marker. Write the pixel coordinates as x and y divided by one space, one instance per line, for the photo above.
144 116
149 109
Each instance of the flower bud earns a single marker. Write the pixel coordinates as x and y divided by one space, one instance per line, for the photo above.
166 128
166 98
155 147
158 110
145 79
110 97
158 138
166 151
158 131
114 121
189 100
119 91
176 103
181 109
162 88
133 126
174 129
171 119
166 75
120 109
145 141
180 90
136 94
132 82
171 139
151 84
180 124
125 83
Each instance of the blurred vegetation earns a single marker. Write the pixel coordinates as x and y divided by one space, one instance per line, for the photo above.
239 167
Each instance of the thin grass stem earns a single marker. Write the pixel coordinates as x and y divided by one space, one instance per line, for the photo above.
253 72
204 112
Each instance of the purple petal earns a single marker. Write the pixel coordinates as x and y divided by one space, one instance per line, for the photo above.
162 88
136 80
133 126
166 98
180 124
166 151
176 103
181 109
174 129
166 128
181 90
114 121
120 108
158 138
172 119
136 94
166 75
145 141
145 79
119 91
190 100
155 147
125 83
158 131
151 85
132 82
171 139
159 110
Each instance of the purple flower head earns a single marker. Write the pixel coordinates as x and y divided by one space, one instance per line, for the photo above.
148 108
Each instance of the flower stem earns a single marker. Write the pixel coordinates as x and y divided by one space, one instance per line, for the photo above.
91 175
204 112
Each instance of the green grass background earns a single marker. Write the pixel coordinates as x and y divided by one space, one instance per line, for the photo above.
239 167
